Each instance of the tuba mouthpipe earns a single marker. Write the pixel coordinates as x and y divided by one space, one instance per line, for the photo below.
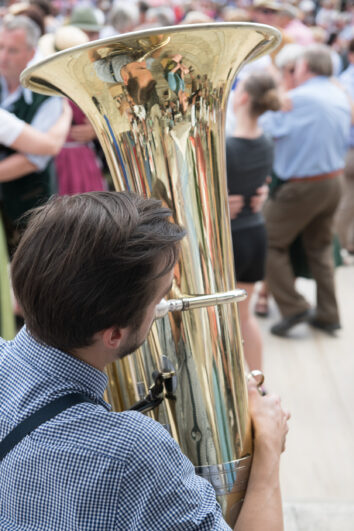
199 301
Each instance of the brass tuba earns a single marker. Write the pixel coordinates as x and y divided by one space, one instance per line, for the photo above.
157 102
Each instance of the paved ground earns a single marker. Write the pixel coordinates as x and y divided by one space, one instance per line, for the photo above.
314 374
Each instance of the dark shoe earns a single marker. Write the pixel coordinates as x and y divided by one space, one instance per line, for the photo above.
329 328
283 327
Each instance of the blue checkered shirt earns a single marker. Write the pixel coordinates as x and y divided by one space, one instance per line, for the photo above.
89 468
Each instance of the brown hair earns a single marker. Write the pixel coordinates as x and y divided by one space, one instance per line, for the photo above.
91 261
263 92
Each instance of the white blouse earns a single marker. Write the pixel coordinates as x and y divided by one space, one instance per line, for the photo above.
10 127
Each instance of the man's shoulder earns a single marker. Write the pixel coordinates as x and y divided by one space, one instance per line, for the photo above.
312 101
303 92
346 78
322 88
348 72
133 424
115 436
143 433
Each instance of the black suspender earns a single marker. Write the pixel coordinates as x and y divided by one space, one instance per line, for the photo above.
40 416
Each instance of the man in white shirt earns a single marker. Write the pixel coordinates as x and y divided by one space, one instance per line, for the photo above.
26 180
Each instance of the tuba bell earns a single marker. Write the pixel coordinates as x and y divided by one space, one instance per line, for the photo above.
157 100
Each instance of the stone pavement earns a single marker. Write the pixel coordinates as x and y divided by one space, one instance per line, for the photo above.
314 375
323 516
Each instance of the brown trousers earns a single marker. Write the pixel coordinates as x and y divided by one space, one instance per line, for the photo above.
344 220
305 207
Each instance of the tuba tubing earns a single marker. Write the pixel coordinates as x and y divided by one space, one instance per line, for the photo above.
157 101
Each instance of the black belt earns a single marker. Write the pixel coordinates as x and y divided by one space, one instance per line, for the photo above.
37 418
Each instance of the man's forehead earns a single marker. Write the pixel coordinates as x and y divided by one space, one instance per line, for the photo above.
17 35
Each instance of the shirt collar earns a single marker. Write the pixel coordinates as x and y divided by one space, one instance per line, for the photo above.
314 80
60 365
8 99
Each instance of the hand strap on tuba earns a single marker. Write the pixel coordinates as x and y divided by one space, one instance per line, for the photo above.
163 382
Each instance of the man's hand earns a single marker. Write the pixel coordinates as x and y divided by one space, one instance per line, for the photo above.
15 166
270 423
270 420
258 200
236 203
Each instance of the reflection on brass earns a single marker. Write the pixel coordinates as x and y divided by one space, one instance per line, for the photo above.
157 102
258 376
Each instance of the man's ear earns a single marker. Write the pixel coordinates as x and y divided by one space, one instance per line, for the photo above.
111 337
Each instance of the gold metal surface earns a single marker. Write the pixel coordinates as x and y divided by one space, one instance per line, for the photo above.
258 376
157 102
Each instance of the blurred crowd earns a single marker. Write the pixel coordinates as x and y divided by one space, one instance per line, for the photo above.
49 147
301 21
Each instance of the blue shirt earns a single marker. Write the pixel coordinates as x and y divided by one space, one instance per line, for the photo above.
313 137
89 469
347 81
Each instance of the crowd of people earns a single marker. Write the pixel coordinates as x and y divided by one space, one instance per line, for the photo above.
289 153
78 164
312 132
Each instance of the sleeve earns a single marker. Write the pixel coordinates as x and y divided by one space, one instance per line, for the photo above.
10 127
161 484
46 116
276 124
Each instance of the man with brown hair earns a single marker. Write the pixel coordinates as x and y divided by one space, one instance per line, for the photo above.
88 273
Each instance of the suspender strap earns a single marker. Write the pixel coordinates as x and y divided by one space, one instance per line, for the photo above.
40 416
